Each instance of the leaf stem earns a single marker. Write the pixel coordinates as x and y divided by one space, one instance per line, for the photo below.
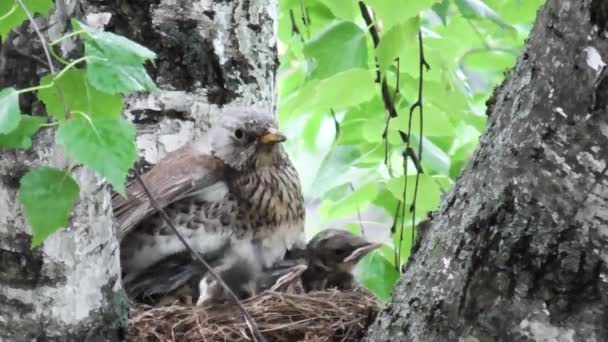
58 58
34 88
67 36
50 124
71 65
45 47
57 77
11 11
89 120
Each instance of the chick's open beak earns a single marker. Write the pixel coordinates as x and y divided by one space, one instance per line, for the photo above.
291 275
272 136
360 252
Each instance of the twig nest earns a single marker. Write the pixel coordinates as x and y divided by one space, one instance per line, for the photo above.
329 315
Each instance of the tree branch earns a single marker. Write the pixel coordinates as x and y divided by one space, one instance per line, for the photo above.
45 47
39 33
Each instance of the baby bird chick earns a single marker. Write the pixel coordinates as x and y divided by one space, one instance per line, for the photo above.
246 280
331 256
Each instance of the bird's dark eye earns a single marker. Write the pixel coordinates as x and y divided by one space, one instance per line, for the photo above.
340 252
239 134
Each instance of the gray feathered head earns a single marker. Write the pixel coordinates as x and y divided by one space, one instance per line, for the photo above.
248 139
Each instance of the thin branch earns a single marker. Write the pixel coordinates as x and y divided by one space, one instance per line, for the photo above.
403 200
305 18
389 105
387 99
45 47
39 33
250 322
397 253
294 27
422 65
361 227
370 23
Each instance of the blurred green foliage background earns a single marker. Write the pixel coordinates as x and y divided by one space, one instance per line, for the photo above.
332 109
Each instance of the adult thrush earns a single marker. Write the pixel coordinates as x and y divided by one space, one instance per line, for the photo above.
234 186
331 256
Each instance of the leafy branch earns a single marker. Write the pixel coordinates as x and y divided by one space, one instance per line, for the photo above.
87 105
389 105
409 152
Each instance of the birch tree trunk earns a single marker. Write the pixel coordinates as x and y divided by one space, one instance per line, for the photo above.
518 250
212 54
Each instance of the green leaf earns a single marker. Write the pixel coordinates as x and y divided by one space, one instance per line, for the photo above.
492 60
434 159
21 137
118 48
441 9
116 63
17 16
105 145
48 196
331 93
344 9
335 169
396 40
114 77
405 240
340 47
392 12
345 89
9 110
378 274
435 121
478 9
78 95
428 196
357 202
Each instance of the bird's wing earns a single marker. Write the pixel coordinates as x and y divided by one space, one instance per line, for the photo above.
182 173
159 282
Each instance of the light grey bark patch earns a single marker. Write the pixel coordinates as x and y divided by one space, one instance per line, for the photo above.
56 291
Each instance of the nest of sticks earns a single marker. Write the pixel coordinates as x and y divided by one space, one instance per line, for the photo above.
329 315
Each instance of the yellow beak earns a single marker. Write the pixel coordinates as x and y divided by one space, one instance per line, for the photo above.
272 136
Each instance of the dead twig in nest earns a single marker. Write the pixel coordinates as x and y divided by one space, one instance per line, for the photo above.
317 316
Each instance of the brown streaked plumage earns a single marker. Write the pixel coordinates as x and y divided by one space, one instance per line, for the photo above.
233 187
188 170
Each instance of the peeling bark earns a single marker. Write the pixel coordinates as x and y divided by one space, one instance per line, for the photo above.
212 54
518 250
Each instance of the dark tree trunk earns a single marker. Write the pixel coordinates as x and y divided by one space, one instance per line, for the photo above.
518 250
210 54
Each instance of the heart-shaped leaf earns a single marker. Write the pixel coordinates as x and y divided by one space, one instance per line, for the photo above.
106 145
48 196
21 137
